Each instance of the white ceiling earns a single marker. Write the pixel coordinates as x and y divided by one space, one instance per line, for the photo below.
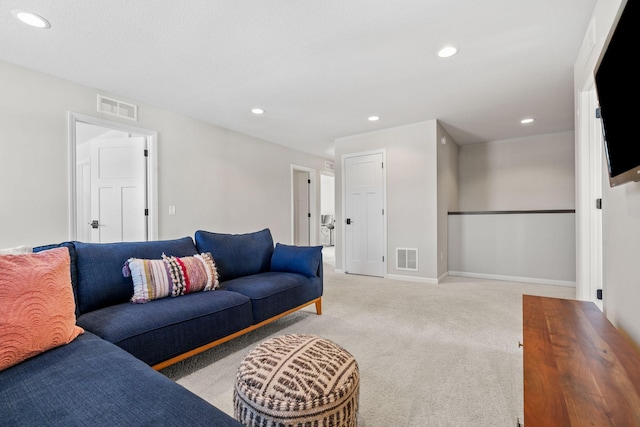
318 67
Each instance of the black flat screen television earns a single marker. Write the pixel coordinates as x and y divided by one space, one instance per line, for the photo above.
617 82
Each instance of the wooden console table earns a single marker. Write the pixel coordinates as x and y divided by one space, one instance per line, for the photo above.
579 370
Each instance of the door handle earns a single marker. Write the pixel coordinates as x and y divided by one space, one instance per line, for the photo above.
94 223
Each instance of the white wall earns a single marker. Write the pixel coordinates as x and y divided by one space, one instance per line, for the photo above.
533 248
219 180
621 205
426 179
533 173
411 173
448 195
530 173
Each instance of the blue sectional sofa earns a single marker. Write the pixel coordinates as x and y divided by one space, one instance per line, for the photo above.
105 376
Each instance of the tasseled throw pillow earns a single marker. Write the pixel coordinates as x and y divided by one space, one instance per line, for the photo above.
170 276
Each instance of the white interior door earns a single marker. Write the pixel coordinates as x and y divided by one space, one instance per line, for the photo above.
118 190
364 215
301 208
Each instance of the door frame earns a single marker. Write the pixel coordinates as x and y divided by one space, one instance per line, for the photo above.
343 208
313 222
589 188
152 169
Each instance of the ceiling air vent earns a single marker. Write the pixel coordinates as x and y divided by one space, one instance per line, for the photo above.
117 108
329 165
407 259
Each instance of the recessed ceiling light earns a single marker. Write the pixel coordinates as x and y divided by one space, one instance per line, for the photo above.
30 18
447 51
257 111
374 118
527 120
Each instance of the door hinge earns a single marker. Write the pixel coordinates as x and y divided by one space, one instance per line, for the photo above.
146 152
308 181
309 215
598 113
598 203
146 212
382 258
599 294
382 211
382 165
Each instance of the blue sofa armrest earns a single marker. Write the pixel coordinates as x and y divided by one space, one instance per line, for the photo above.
305 260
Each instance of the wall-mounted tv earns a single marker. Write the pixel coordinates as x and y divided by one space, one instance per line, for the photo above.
617 82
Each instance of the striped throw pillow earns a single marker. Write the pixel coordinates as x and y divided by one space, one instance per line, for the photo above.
170 276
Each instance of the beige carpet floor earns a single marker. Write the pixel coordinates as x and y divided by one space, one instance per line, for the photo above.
429 355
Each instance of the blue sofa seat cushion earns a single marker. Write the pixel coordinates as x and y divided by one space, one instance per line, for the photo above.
237 255
273 293
91 382
297 259
100 279
165 328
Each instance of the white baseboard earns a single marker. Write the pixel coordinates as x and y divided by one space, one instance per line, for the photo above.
407 278
514 278
412 279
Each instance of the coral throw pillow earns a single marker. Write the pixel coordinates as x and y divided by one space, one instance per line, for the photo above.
37 309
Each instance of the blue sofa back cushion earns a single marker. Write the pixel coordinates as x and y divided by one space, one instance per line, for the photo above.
237 255
296 259
100 279
73 266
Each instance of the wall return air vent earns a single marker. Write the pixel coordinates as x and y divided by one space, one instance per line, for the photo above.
407 259
117 108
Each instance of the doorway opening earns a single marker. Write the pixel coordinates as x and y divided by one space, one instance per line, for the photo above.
327 218
113 181
303 206
327 210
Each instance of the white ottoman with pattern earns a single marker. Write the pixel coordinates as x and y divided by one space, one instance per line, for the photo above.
297 381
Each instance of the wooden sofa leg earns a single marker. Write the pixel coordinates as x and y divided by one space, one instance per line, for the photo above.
319 306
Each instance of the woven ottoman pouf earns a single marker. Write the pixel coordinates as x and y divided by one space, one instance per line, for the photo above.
297 381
